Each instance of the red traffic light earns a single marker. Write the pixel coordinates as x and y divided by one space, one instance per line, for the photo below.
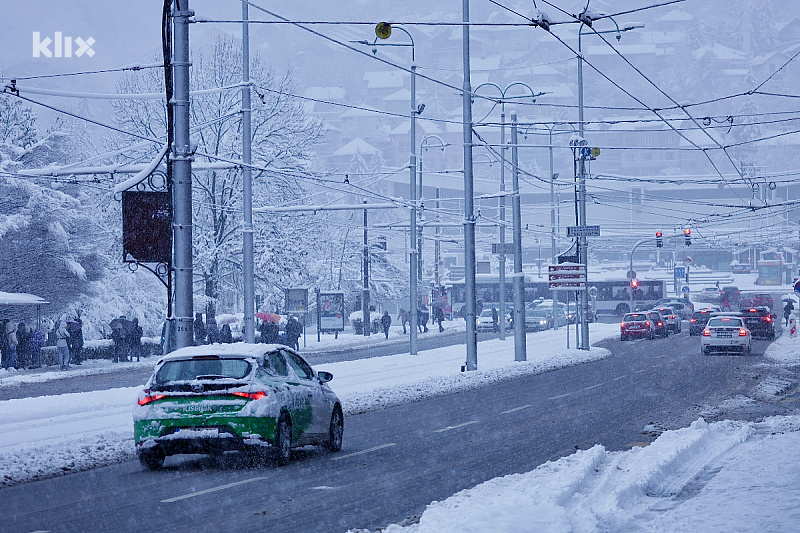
634 283
687 232
658 234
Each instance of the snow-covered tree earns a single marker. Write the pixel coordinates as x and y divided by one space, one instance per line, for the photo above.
282 136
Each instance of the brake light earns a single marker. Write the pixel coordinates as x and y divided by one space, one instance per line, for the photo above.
706 333
768 318
251 395
752 310
647 323
692 320
672 316
622 324
660 324
146 397
743 332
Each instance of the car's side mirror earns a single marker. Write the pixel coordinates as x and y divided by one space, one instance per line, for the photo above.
324 377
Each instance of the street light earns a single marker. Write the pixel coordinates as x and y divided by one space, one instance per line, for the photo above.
502 101
582 251
422 147
383 30
550 130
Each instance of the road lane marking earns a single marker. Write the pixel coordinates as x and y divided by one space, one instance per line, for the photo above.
520 408
639 371
560 396
448 428
620 377
594 386
376 448
212 489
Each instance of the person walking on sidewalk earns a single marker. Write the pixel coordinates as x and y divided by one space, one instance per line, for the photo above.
135 339
11 341
75 343
61 345
37 341
495 319
386 321
787 312
438 315
403 318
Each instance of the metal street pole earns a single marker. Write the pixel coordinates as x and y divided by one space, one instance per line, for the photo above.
583 342
182 175
365 291
520 350
414 260
469 219
503 222
248 270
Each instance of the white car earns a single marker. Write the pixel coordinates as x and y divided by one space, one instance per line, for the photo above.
725 333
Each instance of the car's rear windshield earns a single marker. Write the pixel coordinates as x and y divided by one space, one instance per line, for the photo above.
733 322
635 317
755 312
700 314
203 367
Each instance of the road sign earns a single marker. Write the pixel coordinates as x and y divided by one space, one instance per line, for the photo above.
680 272
797 286
685 289
503 247
583 231
567 277
687 260
631 274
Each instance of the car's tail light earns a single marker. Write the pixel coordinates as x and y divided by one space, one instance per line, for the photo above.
622 324
672 316
752 310
692 320
251 395
706 333
146 396
660 324
742 332
647 323
768 318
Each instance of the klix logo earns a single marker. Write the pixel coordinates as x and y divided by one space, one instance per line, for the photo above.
62 46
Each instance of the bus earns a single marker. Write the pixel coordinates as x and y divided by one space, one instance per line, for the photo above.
612 296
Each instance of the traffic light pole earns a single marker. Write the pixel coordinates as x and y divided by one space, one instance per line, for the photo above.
630 269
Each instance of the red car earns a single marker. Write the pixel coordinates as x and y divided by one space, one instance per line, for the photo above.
761 299
636 325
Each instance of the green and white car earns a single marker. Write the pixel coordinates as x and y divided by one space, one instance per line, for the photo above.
256 398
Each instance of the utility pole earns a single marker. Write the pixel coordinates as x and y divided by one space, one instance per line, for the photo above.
503 223
365 291
414 259
469 219
520 350
583 308
437 247
181 159
248 270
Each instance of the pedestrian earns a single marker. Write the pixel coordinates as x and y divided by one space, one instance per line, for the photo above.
386 321
293 331
404 318
37 341
225 334
422 319
11 341
75 343
787 312
269 332
118 336
212 331
135 339
61 345
4 348
438 315
726 303
494 320
199 330
24 347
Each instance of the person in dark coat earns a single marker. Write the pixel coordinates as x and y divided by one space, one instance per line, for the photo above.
495 319
75 341
120 341
438 315
24 347
422 319
135 339
270 333
199 330
36 343
212 331
386 321
787 312
225 334
293 331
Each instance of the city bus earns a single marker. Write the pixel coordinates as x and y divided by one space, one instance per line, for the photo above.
612 296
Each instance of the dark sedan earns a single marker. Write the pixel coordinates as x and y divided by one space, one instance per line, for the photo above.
760 321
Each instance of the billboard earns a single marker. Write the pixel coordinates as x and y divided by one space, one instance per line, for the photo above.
331 311
146 227
296 300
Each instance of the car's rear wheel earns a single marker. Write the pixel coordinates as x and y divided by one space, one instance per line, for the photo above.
623 337
336 430
152 458
283 440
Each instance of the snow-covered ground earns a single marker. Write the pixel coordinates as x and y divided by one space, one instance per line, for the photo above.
724 476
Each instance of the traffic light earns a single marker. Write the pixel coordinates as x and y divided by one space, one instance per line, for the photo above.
659 241
687 233
634 284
